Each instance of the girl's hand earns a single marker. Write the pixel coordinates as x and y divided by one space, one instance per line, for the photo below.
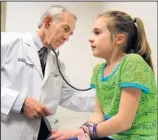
65 134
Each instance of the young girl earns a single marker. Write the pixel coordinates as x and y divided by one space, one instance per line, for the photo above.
125 84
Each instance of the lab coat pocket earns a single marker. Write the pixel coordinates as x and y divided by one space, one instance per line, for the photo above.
52 87
55 77
51 92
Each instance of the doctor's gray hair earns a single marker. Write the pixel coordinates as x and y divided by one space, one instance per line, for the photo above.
54 12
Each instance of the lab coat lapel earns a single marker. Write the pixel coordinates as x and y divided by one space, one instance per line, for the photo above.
49 67
32 52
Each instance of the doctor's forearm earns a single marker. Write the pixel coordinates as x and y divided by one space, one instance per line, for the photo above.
86 100
17 107
9 98
79 101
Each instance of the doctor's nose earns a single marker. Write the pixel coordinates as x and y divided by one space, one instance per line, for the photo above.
66 37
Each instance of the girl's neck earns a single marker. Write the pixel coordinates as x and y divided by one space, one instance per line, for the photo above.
115 58
111 65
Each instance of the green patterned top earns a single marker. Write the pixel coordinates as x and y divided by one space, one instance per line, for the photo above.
132 71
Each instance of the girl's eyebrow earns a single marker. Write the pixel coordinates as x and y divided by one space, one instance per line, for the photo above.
96 28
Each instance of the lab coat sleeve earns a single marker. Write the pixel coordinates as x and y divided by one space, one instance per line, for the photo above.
80 101
11 100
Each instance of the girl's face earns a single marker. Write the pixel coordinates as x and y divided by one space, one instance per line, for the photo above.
101 40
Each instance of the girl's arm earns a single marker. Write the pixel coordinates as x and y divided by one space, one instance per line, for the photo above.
129 102
98 115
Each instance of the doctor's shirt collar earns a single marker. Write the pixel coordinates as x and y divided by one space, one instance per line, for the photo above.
37 41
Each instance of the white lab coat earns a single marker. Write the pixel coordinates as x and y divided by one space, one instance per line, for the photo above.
21 76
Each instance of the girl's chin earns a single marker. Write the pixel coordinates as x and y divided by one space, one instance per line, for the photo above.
95 54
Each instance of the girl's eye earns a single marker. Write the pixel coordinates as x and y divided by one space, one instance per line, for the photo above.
96 32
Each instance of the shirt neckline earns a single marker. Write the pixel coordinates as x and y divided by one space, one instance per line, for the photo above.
105 78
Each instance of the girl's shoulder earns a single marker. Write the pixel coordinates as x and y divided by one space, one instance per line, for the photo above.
135 58
99 66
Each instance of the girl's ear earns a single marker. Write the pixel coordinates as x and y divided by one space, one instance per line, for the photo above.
120 39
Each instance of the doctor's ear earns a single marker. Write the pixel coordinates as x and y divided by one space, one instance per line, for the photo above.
47 21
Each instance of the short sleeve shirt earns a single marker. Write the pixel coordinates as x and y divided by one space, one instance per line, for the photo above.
132 71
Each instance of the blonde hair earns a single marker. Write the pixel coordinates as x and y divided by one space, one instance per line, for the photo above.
134 28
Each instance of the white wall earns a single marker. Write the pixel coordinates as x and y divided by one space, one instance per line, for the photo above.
76 53
147 11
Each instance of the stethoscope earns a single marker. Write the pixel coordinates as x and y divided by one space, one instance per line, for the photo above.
56 56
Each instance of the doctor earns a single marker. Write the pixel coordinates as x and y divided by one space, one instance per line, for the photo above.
31 87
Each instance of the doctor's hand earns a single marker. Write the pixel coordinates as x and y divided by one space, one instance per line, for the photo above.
34 109
65 134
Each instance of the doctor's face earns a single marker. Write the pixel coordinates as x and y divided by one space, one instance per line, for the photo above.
60 29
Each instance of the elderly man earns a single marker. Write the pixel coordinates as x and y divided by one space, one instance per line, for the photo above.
32 87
